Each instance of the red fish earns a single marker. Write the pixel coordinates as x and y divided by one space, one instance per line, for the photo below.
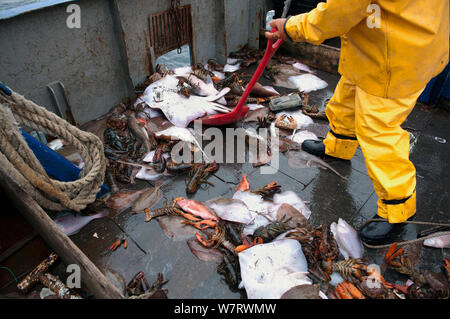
196 208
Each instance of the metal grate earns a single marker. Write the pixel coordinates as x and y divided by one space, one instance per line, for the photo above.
164 30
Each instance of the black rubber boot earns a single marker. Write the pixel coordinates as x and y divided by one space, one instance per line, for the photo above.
314 147
382 233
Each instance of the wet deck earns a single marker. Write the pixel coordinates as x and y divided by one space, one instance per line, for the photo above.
330 197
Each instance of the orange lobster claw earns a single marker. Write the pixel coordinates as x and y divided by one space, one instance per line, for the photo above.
398 252
202 224
202 240
241 248
244 184
215 79
245 244
189 217
353 290
257 241
392 253
211 167
272 184
343 292
115 245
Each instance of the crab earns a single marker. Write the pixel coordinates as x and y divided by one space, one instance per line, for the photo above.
267 190
447 268
213 241
199 175
286 122
184 88
200 217
399 262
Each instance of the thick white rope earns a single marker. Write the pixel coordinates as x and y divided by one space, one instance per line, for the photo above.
19 161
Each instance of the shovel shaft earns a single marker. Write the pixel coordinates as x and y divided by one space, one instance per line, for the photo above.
241 109
270 51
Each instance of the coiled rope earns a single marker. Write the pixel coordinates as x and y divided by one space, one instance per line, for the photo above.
19 161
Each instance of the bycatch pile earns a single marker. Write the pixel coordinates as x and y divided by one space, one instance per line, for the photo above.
260 237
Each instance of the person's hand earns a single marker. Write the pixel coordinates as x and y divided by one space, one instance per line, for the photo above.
279 34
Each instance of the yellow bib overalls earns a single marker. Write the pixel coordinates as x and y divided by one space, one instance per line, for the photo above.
390 50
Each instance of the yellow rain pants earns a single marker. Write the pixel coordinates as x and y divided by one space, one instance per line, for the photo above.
357 117
389 52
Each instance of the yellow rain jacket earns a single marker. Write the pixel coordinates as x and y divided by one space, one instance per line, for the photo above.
390 51
394 60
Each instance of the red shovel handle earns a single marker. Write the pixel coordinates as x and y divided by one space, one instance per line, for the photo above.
270 51
238 112
277 44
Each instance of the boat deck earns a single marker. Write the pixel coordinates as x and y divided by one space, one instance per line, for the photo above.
329 196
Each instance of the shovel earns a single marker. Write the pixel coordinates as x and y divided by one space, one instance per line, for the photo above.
241 109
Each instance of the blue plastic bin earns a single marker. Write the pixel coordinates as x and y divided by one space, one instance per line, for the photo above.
56 165
437 87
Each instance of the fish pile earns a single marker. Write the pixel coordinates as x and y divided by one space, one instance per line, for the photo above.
266 248
141 136
290 73
247 230
287 140
261 238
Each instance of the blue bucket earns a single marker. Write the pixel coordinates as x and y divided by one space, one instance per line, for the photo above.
437 87
55 165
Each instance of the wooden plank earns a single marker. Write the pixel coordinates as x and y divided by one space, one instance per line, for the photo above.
322 57
91 276
17 246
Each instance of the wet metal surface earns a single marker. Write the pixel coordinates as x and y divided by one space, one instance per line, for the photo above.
101 60
329 196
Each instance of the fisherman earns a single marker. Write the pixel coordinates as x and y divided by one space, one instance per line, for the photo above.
390 50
